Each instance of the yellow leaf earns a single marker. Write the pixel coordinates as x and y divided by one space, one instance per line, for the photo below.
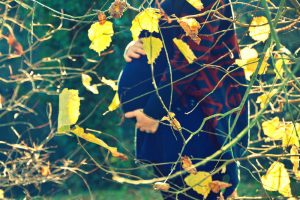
290 137
250 67
191 28
259 28
199 182
282 57
297 175
185 50
176 124
100 36
170 115
248 53
277 179
173 121
93 139
249 62
115 103
274 128
265 98
278 68
1 194
86 81
295 159
152 46
145 20
196 4
110 83
69 104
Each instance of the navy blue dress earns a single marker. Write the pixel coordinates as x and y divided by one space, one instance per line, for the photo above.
200 91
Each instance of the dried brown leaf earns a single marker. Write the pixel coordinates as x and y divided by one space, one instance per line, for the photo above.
187 165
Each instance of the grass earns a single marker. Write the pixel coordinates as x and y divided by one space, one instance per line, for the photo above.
248 188
142 193
124 193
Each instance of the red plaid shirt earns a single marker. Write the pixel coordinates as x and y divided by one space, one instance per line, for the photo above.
217 51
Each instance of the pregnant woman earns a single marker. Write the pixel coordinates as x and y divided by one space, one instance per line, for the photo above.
211 85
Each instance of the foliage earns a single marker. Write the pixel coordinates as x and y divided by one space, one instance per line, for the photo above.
52 83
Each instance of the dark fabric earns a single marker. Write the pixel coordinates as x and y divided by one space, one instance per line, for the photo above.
207 90
166 144
218 47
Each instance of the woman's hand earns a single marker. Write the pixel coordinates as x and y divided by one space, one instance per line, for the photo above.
134 50
143 122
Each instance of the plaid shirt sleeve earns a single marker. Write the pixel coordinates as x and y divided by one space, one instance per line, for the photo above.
214 39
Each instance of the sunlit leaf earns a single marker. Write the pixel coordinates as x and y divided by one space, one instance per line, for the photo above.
217 186
282 57
115 103
146 20
111 83
264 99
196 4
295 160
199 182
100 36
170 115
173 121
259 28
93 139
279 67
86 81
152 46
187 165
249 62
248 53
290 137
185 50
191 28
2 194
277 179
274 128
69 104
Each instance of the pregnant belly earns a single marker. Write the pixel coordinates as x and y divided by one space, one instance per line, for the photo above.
135 83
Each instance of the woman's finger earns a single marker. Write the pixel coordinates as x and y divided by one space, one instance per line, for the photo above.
133 55
130 114
135 49
143 130
140 51
153 130
127 58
